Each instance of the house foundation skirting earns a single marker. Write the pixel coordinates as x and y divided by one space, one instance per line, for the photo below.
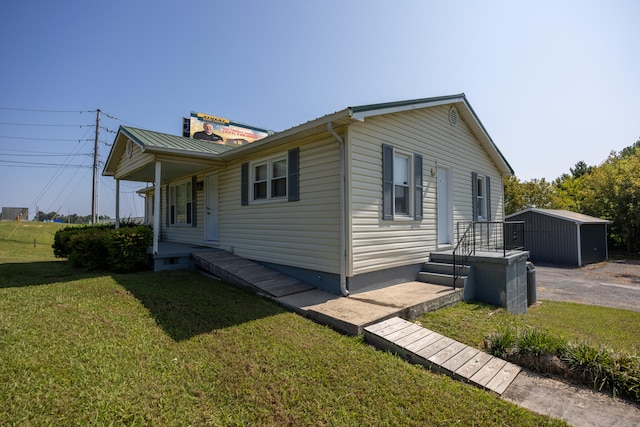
361 283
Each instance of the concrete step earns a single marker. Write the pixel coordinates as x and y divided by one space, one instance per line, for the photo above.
444 268
442 257
441 279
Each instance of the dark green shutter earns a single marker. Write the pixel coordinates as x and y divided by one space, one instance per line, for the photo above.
474 195
168 205
194 203
417 179
487 191
244 184
293 177
387 181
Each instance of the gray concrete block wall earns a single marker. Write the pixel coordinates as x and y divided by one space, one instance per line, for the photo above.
501 281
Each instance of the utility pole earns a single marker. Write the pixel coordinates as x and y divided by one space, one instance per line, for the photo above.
94 195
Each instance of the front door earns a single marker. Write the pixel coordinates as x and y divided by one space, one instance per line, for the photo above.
444 206
211 208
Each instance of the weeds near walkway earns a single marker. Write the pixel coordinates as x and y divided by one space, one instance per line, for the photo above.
600 368
595 346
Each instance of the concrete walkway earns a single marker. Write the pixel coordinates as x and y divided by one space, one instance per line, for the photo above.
579 406
369 313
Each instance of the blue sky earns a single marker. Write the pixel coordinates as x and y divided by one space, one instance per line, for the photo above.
554 82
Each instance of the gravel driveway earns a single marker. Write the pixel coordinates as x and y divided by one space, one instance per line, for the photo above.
610 284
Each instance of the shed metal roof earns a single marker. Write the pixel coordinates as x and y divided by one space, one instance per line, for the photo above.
574 217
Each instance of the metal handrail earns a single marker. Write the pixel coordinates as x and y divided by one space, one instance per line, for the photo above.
490 236
464 247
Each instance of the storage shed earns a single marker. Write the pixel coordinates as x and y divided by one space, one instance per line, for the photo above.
563 237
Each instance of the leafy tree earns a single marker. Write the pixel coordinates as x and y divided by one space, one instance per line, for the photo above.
580 169
612 191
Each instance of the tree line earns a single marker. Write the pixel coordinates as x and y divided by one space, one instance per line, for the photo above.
609 191
67 219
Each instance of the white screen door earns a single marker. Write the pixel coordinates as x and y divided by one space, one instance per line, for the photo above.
444 207
211 208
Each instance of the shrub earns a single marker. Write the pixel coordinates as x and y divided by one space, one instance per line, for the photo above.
88 249
61 239
128 247
103 247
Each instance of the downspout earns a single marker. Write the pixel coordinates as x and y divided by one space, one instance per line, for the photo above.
343 239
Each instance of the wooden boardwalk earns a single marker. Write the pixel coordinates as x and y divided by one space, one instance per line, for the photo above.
442 354
243 272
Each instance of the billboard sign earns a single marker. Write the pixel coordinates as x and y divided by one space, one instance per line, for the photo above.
220 131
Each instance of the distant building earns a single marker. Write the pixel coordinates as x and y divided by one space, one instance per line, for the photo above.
11 214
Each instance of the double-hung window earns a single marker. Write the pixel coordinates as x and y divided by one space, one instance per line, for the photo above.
269 179
402 184
401 181
276 178
181 202
481 192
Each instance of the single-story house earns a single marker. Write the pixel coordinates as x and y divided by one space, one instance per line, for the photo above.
563 237
351 201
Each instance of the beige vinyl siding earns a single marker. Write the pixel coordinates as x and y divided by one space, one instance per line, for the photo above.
184 233
137 161
302 233
378 244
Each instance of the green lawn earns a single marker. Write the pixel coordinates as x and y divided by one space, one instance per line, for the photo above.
178 348
605 327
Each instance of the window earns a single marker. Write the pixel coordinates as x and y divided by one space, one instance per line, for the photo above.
181 203
481 202
402 184
277 178
481 206
401 192
269 179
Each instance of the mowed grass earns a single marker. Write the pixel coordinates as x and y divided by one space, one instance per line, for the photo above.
599 327
178 348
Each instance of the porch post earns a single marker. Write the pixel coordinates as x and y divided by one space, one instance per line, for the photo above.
117 204
156 207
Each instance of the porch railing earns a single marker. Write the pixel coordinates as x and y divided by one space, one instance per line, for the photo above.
485 236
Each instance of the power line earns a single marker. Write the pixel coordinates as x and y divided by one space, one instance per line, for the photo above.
47 111
16 163
45 139
45 154
41 124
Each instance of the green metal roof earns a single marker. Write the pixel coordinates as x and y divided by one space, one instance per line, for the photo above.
161 142
400 104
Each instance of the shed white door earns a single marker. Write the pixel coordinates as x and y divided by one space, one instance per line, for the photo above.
211 208
444 207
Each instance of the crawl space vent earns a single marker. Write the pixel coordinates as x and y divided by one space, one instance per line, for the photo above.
453 116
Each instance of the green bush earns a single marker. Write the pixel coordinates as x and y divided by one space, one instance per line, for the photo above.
103 247
88 249
128 247
62 247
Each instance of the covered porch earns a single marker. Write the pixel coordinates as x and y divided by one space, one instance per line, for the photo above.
158 159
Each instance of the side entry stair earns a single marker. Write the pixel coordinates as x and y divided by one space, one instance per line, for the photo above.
439 271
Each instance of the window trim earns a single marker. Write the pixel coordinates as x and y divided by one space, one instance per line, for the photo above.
415 194
481 201
269 180
407 158
189 203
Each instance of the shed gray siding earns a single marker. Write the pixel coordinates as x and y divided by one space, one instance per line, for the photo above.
549 240
593 242
552 239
